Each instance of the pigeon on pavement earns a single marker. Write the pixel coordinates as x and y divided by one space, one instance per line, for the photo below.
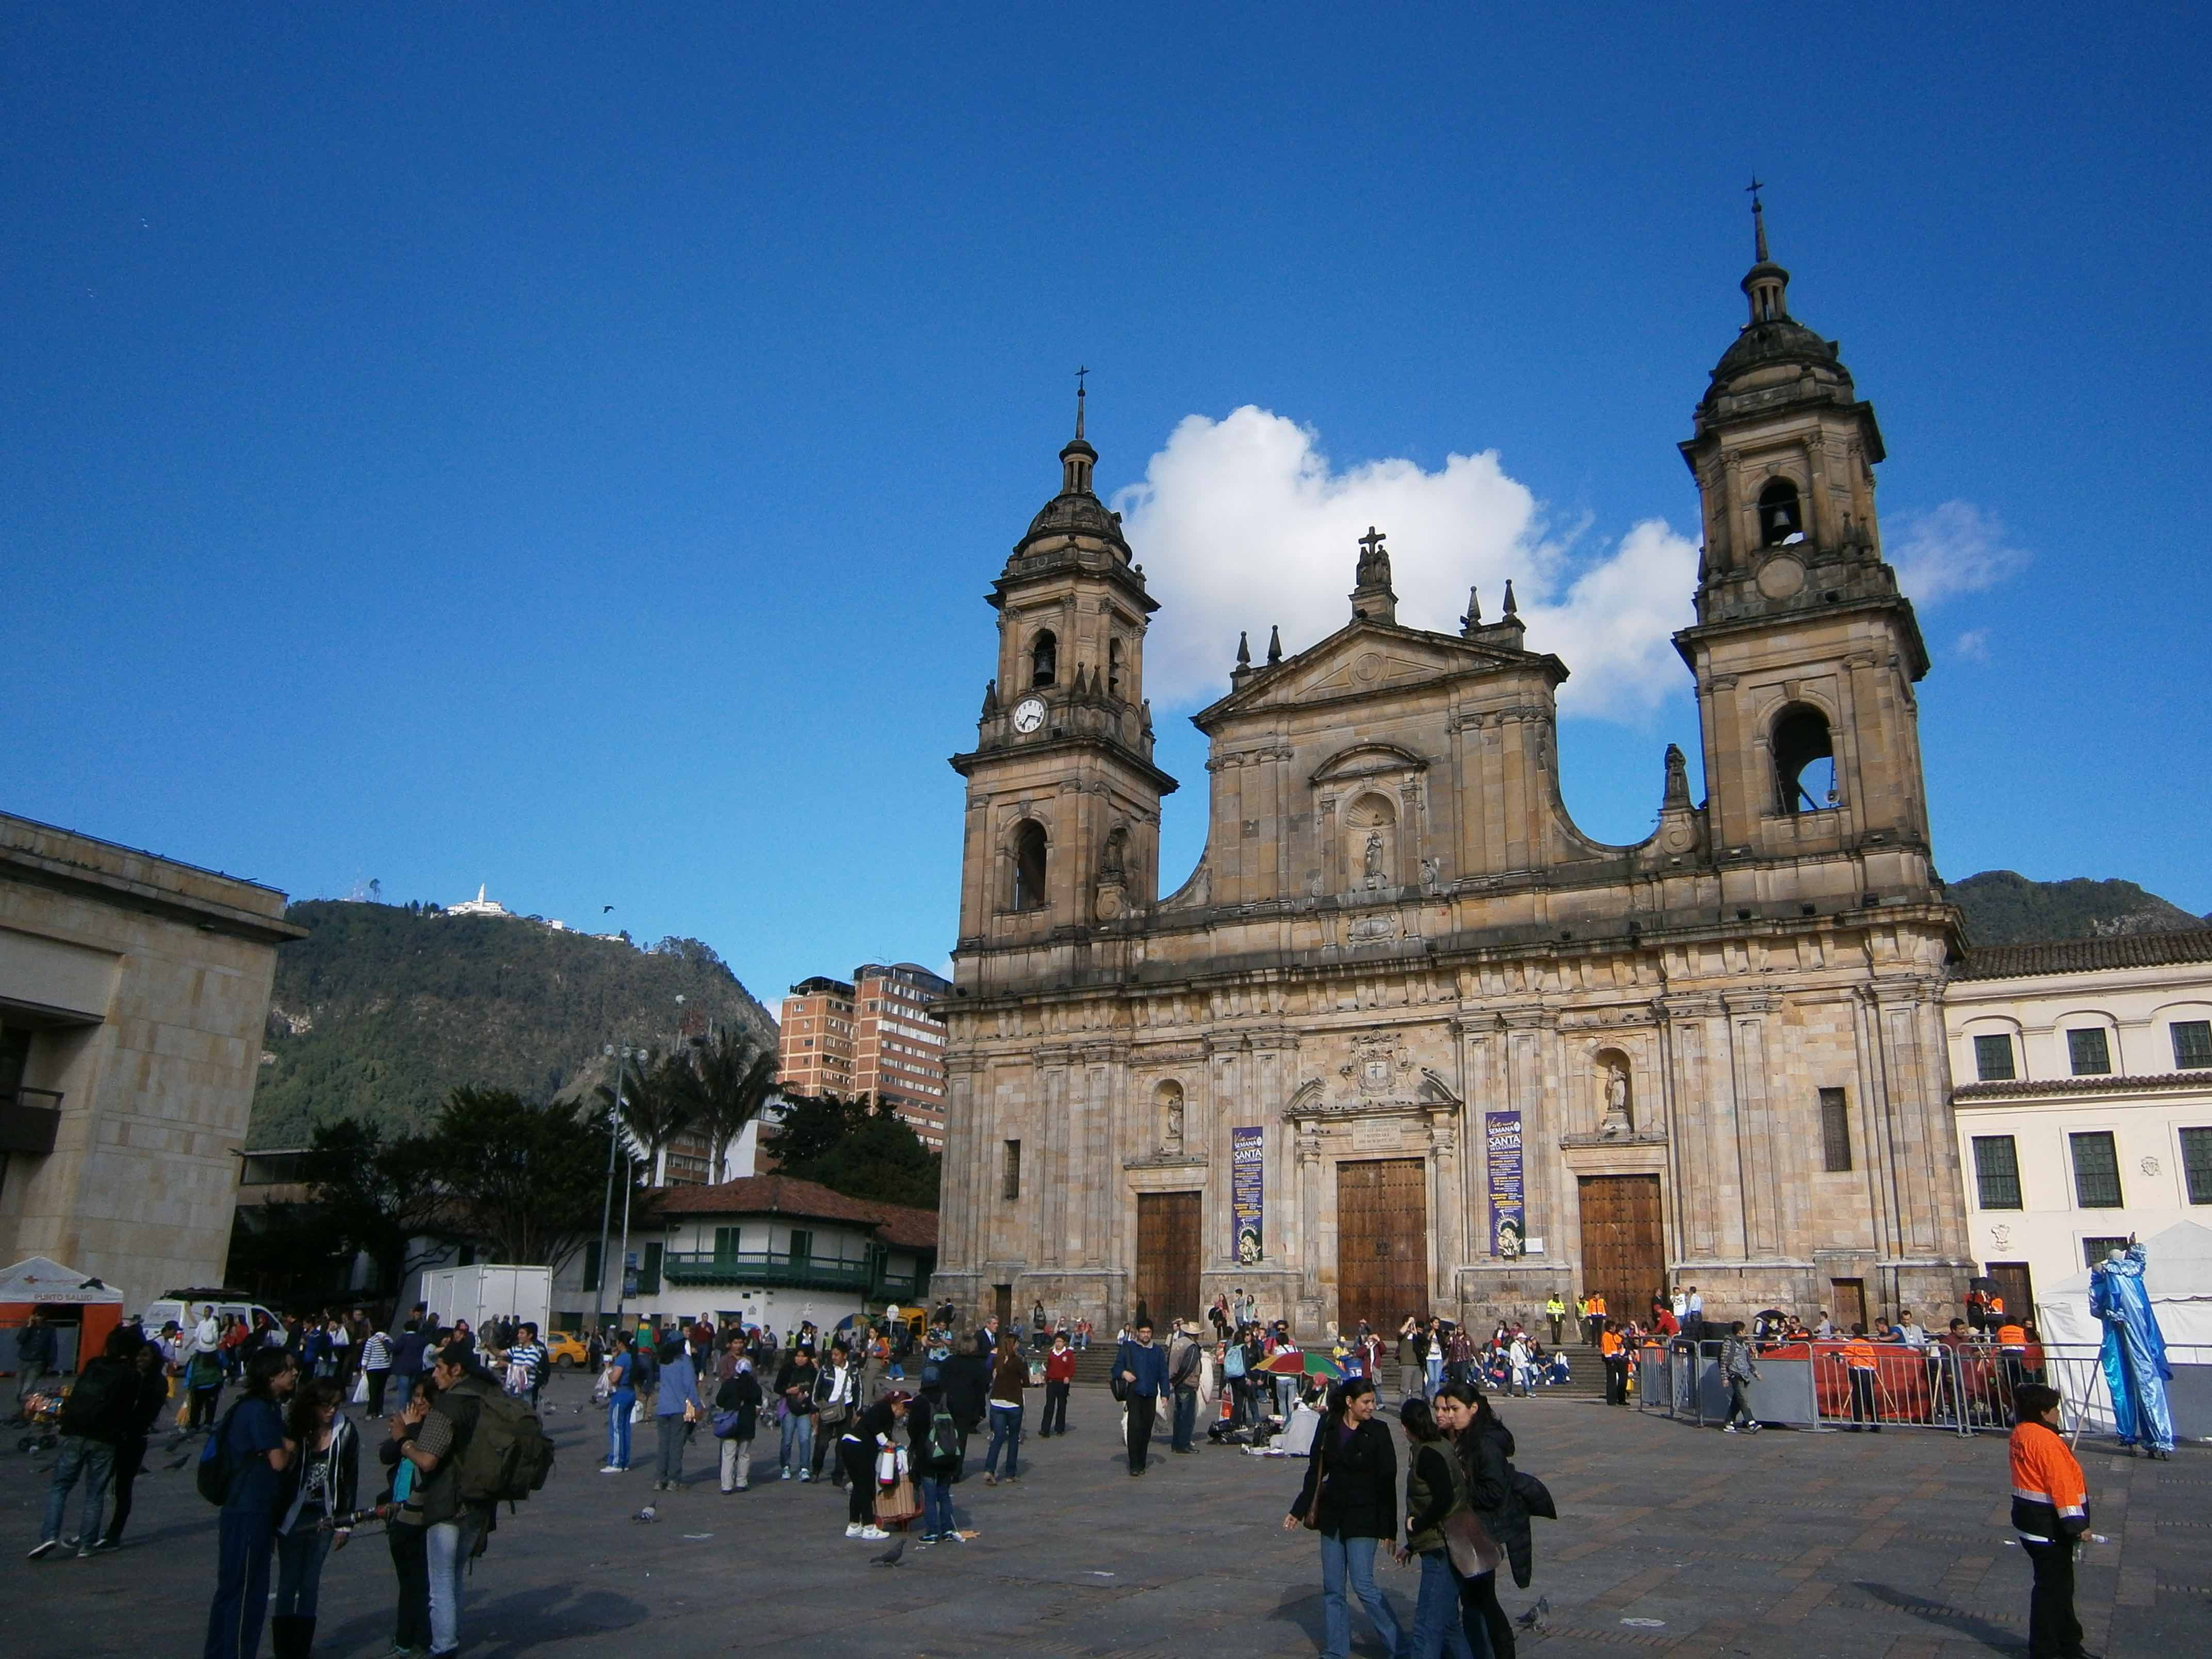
890 1557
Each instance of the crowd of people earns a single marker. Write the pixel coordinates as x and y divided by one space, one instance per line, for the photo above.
887 1412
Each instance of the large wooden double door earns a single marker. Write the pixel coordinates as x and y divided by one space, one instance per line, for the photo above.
1624 1256
1167 1255
1381 1243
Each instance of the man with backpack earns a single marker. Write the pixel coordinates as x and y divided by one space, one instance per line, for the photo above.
938 1444
97 1414
476 1448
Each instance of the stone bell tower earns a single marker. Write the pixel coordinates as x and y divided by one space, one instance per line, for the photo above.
1805 653
1063 815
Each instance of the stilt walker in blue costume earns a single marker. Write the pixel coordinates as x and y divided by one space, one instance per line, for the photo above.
2135 1351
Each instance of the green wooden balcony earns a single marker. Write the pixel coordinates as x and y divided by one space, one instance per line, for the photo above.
779 1267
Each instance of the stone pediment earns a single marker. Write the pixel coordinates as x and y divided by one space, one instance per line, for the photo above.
1364 657
1369 1097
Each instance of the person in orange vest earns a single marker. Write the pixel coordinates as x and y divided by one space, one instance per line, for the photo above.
1597 1316
2049 1511
1859 1362
2011 1359
1616 1363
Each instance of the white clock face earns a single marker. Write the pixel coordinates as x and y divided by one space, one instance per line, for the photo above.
1029 714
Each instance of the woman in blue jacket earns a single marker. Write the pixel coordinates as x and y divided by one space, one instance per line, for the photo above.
676 1407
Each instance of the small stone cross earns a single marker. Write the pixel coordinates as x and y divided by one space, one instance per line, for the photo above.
1370 541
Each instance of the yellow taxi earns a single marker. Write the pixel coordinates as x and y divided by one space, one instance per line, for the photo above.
566 1348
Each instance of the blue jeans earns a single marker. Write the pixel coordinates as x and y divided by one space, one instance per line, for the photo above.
618 1405
936 1505
449 1545
301 1553
797 1452
1186 1417
241 1584
1353 1558
1005 1431
1437 1627
93 1460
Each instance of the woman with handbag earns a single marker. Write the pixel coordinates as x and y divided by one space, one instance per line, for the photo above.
1351 1499
1436 1492
1484 1445
873 1433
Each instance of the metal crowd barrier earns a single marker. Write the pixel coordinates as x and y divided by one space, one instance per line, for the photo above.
1961 1390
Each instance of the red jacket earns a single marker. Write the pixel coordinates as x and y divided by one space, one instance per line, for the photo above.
1060 1365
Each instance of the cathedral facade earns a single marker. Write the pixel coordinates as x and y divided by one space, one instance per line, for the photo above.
1407 1039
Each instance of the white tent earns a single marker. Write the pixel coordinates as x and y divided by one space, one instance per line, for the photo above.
38 1279
2177 1274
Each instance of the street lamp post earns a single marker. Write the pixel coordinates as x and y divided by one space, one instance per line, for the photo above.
621 1057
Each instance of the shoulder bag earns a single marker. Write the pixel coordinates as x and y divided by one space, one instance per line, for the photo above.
1473 1551
1311 1522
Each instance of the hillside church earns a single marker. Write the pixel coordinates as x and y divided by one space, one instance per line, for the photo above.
1407 1039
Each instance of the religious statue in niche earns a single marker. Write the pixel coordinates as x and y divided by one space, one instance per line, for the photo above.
1371 863
1171 1117
1617 1124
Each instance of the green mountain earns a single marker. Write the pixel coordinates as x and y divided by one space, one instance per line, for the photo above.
383 1008
2004 907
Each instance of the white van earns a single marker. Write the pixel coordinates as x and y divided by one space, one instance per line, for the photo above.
184 1309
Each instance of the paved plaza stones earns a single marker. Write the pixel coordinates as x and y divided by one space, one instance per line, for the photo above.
1792 1544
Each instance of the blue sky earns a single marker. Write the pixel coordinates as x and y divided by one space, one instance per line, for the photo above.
569 453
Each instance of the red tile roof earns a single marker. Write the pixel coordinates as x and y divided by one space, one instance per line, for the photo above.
778 1194
2073 955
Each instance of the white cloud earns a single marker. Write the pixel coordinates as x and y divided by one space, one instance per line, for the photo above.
1953 549
1973 645
1242 524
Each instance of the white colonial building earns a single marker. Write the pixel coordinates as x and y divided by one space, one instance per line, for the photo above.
2082 1089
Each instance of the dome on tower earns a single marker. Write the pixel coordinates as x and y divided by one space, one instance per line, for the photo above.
1076 511
1773 340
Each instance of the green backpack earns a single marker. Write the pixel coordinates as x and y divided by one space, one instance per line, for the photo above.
506 1455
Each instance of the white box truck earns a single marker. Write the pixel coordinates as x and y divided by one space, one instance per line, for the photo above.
488 1291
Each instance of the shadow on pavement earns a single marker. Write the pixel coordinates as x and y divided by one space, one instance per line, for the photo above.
1950 1618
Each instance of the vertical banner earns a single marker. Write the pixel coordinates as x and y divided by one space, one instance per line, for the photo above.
1247 1185
1509 1219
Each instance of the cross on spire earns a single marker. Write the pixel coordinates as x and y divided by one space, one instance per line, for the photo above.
1370 541
1757 218
1080 374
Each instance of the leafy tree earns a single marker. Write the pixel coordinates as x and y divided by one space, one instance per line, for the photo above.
854 1148
525 1179
375 1191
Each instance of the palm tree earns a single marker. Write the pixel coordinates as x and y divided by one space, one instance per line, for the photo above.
730 1078
656 1107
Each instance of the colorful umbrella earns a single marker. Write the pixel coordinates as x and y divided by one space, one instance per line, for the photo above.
1294 1363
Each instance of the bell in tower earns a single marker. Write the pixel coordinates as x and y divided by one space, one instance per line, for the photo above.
1805 652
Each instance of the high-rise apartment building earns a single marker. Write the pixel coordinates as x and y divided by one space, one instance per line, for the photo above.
817 1044
898 1054
877 1035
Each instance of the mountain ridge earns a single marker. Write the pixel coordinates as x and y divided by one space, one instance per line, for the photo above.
383 1009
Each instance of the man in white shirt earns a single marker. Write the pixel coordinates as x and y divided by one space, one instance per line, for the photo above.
207 1337
1694 1326
1680 1304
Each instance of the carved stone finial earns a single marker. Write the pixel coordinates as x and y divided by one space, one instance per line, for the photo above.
1243 649
1274 645
1511 607
1473 620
